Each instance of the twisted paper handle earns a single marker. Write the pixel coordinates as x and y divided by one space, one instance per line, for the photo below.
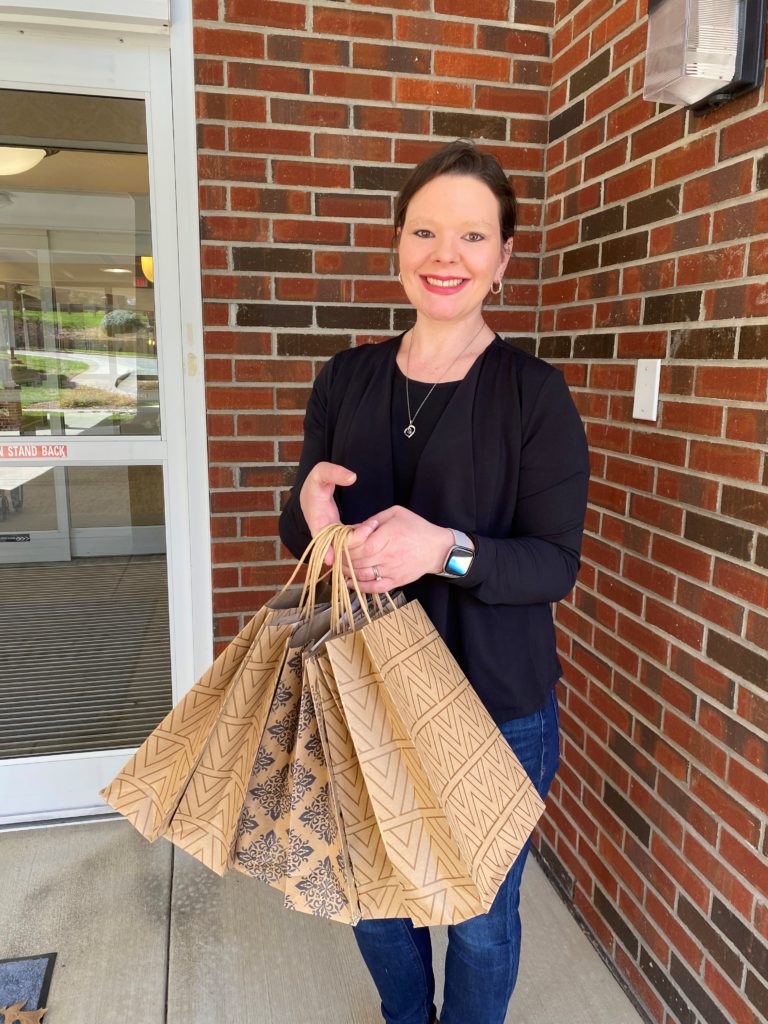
335 536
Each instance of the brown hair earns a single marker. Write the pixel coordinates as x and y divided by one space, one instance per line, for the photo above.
461 158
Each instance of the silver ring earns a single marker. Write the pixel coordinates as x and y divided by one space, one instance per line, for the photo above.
376 573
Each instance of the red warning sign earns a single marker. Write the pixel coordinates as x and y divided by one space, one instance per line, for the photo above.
34 451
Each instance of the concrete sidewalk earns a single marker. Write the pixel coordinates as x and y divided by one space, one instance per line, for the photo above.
146 934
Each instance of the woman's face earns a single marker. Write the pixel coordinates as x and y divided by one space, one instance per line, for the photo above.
450 249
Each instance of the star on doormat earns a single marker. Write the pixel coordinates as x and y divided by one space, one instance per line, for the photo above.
24 984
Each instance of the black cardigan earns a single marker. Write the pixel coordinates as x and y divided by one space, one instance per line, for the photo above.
506 463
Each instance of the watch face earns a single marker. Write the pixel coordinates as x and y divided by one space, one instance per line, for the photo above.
459 561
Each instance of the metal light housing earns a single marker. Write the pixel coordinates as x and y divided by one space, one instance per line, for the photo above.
702 53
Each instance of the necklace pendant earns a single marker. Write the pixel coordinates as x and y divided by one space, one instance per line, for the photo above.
410 430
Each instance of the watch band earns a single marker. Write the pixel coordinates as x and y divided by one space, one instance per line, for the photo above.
462 540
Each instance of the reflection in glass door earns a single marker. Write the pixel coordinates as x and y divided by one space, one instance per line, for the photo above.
83 575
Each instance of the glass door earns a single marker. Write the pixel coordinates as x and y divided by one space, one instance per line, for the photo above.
89 391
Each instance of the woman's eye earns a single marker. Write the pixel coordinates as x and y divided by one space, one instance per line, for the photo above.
474 236
422 233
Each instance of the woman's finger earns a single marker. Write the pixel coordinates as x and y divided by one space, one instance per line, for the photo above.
360 534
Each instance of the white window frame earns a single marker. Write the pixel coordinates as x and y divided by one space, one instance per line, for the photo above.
88 54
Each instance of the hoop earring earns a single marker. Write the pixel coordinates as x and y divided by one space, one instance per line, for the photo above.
496 291
400 278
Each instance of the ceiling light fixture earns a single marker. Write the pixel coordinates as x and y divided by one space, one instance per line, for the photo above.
18 159
702 54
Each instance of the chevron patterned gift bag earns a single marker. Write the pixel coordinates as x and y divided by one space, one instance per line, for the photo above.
379 888
453 804
187 780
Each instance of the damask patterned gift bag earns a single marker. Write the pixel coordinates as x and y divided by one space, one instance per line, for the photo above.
290 834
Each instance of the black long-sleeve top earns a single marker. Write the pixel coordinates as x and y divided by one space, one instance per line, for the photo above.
506 463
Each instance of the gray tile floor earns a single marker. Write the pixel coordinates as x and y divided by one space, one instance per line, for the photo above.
146 934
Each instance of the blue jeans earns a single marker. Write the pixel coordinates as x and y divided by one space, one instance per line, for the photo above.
483 953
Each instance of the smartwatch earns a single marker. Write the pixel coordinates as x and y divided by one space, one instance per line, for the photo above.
460 557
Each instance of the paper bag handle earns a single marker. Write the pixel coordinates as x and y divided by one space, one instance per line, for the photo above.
336 536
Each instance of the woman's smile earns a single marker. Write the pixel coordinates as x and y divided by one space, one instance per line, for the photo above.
442 285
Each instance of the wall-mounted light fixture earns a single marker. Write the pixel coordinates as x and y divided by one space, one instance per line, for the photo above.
702 53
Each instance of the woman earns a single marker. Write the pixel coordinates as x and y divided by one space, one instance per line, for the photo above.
463 460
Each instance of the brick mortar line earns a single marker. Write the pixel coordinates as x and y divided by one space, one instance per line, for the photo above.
679 574
653 292
701 286
674 254
724 206
646 427
310 129
669 603
235 182
658 924
428 48
685 435
413 15
356 101
361 72
656 328
656 731
532 88
202 88
669 396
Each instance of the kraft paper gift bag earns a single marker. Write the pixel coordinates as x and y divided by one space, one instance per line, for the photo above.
290 833
379 888
358 773
187 781
453 805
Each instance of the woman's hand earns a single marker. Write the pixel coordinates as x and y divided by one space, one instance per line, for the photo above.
402 547
317 504
316 495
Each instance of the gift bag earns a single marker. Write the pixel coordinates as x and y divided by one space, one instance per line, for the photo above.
340 755
290 833
187 781
378 887
452 803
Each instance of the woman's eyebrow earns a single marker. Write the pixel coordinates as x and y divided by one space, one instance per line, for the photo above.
467 225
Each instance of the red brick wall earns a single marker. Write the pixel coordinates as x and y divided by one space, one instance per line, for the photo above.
656 245
653 245
309 116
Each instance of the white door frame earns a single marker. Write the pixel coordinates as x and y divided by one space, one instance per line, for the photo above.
135 61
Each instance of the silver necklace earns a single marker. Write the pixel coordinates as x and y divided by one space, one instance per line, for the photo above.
410 430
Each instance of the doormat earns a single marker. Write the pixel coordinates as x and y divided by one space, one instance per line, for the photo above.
24 984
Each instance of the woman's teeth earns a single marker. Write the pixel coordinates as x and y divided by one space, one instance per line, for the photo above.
438 282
